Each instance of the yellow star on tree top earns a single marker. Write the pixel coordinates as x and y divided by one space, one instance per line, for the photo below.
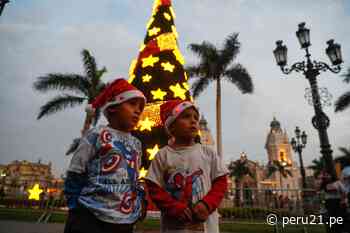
142 173
154 31
149 61
167 66
146 124
34 193
152 152
158 94
146 78
178 91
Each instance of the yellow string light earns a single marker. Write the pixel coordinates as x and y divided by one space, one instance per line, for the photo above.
173 29
178 91
152 111
142 47
146 78
150 21
34 193
158 94
167 66
172 12
179 56
167 16
154 31
149 61
146 124
152 152
185 74
131 70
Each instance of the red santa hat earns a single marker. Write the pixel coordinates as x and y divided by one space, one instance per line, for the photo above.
171 109
116 92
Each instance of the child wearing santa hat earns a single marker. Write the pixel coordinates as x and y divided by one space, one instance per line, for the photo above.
102 188
186 180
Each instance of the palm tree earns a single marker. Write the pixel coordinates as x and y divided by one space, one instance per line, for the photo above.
344 159
277 166
82 87
317 165
343 102
239 169
215 65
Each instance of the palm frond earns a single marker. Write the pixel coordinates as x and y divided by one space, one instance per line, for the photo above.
347 76
343 102
345 151
59 103
230 50
62 82
205 50
194 71
199 86
89 64
239 76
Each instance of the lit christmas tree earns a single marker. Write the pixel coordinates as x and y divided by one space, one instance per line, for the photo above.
158 72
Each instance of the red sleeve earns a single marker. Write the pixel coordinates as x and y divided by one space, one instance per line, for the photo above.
164 201
216 193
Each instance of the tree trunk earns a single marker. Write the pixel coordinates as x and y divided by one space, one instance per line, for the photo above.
237 193
218 118
87 123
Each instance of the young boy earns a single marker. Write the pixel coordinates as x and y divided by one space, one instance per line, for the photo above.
186 180
102 188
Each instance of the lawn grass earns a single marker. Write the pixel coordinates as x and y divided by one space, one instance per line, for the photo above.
32 215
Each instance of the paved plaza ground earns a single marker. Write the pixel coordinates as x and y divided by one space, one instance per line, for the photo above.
30 227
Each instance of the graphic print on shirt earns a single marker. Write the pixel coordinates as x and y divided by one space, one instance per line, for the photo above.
184 185
114 189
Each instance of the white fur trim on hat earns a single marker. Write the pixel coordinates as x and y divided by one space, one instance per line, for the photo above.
122 97
177 111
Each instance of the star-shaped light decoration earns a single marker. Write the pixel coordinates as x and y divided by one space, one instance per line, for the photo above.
167 16
178 56
158 94
153 31
178 91
142 173
152 152
167 66
149 61
146 124
34 193
146 78
167 41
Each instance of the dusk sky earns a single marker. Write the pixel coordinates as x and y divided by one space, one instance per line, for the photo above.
38 37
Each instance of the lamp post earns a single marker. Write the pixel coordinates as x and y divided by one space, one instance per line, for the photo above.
311 69
298 145
2 5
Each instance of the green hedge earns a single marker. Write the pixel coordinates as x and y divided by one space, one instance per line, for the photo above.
250 213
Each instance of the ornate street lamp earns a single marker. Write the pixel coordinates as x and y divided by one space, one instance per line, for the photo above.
311 69
298 145
2 5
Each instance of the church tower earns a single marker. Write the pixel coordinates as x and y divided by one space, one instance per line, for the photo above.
277 144
205 134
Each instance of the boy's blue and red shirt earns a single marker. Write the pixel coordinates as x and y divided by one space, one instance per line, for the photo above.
103 176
